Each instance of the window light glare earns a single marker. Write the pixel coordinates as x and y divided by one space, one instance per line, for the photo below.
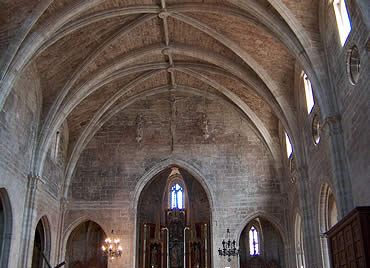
343 22
253 242
289 148
308 92
177 197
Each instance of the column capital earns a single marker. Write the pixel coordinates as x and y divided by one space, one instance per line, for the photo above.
63 203
34 179
332 125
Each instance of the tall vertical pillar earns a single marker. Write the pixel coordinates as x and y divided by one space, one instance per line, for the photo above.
28 218
311 235
339 164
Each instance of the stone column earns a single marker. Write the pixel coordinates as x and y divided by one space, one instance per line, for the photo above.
311 235
60 238
27 235
341 179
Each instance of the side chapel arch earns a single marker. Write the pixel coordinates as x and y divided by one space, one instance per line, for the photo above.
328 216
271 243
89 236
6 224
42 243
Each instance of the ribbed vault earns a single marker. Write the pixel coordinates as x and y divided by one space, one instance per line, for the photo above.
97 57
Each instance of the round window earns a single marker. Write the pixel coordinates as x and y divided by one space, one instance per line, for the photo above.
353 65
316 129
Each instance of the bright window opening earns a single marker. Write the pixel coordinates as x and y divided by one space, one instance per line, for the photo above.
289 148
310 102
177 197
55 148
343 22
253 242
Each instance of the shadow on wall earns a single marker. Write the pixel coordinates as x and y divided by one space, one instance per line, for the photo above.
83 247
261 245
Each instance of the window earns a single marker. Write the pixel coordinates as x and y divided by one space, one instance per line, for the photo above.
299 251
316 129
55 148
343 22
254 247
353 65
310 102
289 148
177 197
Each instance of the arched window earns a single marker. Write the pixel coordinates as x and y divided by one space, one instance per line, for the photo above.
310 102
177 197
343 22
254 245
299 250
289 148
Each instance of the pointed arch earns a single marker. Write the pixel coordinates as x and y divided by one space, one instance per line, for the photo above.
328 216
41 243
91 235
151 173
6 226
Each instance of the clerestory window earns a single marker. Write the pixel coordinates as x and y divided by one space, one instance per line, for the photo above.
289 148
343 22
310 102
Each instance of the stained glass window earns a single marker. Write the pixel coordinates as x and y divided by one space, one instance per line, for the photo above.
254 247
177 197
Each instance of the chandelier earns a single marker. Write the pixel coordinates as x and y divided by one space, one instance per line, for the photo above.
228 248
111 248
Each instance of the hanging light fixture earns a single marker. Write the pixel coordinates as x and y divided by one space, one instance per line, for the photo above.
229 248
112 248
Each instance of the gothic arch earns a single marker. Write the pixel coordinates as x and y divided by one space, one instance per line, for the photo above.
6 226
328 216
43 236
264 220
156 169
100 118
261 214
74 226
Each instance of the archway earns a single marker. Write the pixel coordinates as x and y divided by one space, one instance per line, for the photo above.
5 227
328 216
83 247
261 245
173 222
41 244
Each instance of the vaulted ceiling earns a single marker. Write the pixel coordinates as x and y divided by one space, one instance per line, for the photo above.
94 55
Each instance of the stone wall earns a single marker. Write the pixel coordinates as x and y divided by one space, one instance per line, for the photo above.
18 130
235 165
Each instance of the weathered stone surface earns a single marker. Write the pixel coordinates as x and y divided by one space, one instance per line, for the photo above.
102 74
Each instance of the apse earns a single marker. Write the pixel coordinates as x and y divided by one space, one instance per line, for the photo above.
83 247
261 245
173 222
